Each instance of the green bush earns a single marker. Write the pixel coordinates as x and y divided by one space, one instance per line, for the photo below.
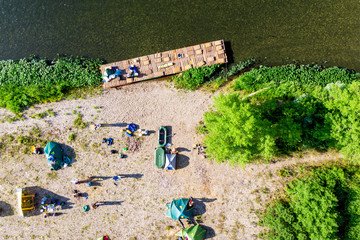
219 79
192 78
291 116
342 103
322 205
72 137
241 66
79 123
201 129
240 131
28 81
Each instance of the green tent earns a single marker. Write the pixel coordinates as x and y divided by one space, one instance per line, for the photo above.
55 156
192 233
179 208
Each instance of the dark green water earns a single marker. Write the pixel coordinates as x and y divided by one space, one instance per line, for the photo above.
275 31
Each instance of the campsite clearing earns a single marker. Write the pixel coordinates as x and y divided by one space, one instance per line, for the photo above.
227 199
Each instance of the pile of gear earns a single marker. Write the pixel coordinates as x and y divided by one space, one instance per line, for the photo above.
108 141
49 206
200 150
111 73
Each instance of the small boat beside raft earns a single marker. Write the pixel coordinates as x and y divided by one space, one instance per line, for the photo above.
162 136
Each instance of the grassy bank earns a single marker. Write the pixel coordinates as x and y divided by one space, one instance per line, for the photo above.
209 77
35 80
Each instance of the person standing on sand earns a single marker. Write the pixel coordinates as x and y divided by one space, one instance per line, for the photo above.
94 205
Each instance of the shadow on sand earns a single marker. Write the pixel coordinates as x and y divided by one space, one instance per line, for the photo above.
182 161
5 209
41 193
96 180
169 134
181 149
109 203
102 178
114 125
199 205
210 233
68 151
151 132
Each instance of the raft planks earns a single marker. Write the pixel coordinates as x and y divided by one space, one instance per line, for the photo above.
168 62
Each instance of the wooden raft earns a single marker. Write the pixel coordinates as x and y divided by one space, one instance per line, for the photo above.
167 63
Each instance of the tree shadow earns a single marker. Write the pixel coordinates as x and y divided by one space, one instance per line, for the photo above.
182 161
5 209
40 193
199 205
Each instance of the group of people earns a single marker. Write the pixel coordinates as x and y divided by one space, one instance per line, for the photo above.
77 194
114 72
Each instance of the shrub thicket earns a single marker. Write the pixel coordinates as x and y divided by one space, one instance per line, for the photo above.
223 76
305 76
322 205
213 76
192 78
28 81
294 115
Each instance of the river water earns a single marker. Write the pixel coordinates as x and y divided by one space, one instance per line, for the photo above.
273 31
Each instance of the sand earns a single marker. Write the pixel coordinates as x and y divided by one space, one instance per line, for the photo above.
228 198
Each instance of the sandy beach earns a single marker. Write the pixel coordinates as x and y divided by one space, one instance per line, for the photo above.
228 198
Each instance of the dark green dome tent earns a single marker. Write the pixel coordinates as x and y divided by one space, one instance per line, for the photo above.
192 233
179 208
55 157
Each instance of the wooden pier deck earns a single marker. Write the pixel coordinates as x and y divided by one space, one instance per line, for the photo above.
167 63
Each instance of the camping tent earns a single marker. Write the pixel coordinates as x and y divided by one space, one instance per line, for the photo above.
179 208
55 157
170 163
192 233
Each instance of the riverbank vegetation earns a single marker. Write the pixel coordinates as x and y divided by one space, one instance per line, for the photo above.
192 78
320 205
274 111
210 77
35 80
